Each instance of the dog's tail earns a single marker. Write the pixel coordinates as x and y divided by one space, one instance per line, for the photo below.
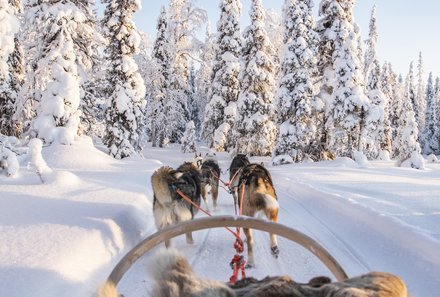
108 290
160 181
268 201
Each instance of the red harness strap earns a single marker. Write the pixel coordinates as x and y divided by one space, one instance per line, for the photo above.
238 262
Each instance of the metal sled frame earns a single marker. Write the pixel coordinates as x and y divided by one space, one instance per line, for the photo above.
225 221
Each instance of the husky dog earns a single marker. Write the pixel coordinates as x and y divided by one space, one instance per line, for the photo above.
168 206
198 159
235 168
210 178
256 189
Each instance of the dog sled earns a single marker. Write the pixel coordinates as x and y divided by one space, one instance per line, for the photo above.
177 279
370 285
225 221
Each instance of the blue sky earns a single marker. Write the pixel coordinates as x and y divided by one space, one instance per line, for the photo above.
405 27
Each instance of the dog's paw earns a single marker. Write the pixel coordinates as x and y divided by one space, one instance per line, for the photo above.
275 251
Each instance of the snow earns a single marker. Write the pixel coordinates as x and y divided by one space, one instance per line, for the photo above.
63 236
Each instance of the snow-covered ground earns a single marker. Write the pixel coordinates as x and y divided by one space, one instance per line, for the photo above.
62 237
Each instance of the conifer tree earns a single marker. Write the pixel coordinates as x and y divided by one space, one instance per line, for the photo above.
92 99
377 127
9 27
255 128
226 67
204 78
431 131
342 86
177 94
59 43
420 102
188 141
297 103
392 87
125 115
408 130
160 68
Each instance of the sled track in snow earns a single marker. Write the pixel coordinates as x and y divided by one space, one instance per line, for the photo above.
290 207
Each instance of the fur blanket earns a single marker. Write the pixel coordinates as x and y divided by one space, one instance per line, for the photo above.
174 277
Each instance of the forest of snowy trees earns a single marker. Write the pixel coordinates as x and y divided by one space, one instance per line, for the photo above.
288 85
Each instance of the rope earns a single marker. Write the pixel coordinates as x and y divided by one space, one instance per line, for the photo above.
237 236
238 262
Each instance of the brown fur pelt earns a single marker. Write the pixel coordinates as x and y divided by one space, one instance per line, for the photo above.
373 284
174 277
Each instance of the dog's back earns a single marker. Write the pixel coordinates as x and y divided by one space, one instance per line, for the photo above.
238 162
260 192
210 177
189 182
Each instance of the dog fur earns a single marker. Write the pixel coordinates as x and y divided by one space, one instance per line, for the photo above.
238 163
168 206
259 195
210 178
174 277
373 284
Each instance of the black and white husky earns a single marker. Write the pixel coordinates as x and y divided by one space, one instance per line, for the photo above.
210 178
169 207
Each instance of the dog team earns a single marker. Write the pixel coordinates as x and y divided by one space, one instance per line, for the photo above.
177 195
178 192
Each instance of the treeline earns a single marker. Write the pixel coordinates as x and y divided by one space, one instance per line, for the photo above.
287 86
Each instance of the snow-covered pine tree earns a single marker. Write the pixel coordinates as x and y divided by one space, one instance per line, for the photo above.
188 141
61 47
274 28
408 130
160 68
437 103
9 27
193 106
125 115
377 127
255 129
92 99
177 94
226 67
392 87
420 103
297 104
342 86
431 132
204 77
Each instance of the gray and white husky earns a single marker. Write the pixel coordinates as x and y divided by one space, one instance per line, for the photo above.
169 207
210 178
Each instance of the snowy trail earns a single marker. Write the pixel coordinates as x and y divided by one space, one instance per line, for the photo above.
361 239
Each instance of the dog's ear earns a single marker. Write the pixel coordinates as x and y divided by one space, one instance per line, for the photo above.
262 164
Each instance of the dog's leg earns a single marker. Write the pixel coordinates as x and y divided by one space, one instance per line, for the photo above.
214 193
205 195
250 246
272 215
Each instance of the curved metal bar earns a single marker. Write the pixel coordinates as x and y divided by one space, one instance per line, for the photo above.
225 221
